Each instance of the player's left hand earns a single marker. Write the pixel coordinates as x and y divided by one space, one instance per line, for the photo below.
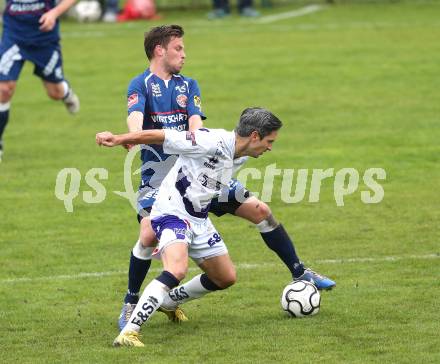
106 138
48 21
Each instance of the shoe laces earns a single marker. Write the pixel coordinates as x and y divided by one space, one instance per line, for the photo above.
128 311
179 314
134 334
314 273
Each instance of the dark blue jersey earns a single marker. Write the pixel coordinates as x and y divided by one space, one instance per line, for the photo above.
21 22
165 105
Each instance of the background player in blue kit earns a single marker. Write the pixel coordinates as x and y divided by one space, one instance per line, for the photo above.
161 98
31 33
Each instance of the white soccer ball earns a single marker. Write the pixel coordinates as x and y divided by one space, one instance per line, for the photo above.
87 11
300 298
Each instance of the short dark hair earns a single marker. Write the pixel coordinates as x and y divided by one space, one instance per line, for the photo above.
160 35
257 119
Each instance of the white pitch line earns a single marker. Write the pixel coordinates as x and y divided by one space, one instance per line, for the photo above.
240 266
106 274
290 14
378 259
85 34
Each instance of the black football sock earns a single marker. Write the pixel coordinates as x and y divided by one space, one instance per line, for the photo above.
279 241
136 275
4 117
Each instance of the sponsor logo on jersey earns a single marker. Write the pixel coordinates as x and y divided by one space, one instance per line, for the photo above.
191 136
132 100
181 89
23 8
182 100
155 88
209 182
220 148
211 163
166 120
219 153
198 102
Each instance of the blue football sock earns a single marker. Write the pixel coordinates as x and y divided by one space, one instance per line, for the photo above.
136 275
279 241
4 117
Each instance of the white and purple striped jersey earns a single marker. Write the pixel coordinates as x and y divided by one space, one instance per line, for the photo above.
205 166
165 104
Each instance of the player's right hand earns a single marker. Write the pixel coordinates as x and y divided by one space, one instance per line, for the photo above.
47 21
106 138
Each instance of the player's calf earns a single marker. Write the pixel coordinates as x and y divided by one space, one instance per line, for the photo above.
4 117
63 91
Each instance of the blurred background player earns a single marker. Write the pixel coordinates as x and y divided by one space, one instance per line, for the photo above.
161 98
222 9
135 9
31 33
111 11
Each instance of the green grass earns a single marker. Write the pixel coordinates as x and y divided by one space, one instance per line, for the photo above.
356 86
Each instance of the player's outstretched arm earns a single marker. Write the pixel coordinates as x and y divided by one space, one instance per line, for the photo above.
108 139
195 122
48 19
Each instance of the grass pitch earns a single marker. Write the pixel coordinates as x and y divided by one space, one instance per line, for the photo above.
356 86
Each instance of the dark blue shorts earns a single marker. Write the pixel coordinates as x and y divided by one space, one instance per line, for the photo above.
47 60
227 203
230 200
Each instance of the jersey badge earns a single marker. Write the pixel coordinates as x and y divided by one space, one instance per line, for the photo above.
181 89
132 100
182 100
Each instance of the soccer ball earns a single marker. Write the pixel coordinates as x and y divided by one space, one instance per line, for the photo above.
300 298
87 11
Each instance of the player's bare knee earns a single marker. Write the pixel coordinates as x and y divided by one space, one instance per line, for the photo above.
6 91
55 93
227 280
230 280
264 211
147 237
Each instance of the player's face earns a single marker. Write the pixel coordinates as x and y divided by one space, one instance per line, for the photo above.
260 145
174 55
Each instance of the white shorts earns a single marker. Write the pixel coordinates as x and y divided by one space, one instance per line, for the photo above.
170 229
